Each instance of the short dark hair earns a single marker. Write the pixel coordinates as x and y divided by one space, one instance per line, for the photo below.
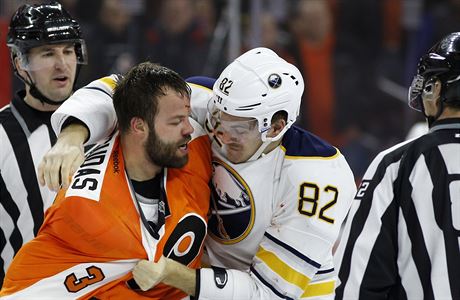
281 114
136 95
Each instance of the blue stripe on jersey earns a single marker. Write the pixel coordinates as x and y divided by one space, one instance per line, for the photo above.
325 271
271 287
292 250
299 142
97 89
202 80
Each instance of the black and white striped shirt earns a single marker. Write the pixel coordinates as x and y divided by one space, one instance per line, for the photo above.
25 136
401 239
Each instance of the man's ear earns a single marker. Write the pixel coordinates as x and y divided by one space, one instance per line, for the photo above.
138 126
18 65
276 127
437 89
432 91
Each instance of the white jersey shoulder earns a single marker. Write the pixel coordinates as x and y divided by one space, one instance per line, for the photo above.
199 101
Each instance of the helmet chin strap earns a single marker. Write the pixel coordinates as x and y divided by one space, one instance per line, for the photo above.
35 92
267 141
260 151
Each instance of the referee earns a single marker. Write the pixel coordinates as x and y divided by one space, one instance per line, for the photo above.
46 47
402 236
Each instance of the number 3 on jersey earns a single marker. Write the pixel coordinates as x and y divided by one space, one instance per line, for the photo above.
309 195
190 231
74 284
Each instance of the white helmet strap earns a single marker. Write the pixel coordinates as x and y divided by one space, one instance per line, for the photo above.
259 151
268 140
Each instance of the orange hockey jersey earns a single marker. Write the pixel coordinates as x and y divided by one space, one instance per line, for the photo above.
93 234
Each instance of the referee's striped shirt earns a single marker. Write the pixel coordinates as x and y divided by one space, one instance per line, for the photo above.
25 136
401 239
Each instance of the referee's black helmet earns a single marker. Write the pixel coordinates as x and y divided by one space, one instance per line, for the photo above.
441 62
42 24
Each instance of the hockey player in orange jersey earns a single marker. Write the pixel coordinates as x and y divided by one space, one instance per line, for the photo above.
141 194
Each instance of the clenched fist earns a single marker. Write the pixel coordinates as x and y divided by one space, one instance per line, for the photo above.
147 274
64 158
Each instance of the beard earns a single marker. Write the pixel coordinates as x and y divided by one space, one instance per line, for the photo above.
164 154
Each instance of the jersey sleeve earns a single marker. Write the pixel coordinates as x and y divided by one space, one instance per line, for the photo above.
294 259
93 106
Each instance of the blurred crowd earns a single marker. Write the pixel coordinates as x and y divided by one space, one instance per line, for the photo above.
357 57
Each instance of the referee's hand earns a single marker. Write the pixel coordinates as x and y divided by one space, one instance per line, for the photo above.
63 159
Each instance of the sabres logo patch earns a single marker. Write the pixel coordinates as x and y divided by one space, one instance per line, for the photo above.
232 205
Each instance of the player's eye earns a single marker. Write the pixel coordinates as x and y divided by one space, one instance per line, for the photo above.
68 51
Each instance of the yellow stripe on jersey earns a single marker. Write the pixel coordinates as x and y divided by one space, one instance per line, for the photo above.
282 269
319 289
109 81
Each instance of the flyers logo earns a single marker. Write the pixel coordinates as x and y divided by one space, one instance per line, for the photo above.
74 284
184 243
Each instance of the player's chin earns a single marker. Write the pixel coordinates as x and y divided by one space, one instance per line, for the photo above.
234 157
179 161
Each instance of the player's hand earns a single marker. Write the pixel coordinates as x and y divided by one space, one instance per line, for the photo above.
64 158
147 273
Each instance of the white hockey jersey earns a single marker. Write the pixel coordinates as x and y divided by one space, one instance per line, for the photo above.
275 218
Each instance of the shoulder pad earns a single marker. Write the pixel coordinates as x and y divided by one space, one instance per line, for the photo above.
204 81
301 143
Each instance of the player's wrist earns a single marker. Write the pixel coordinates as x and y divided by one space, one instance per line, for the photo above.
180 276
74 131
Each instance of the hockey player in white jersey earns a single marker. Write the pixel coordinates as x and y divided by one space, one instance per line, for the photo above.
280 193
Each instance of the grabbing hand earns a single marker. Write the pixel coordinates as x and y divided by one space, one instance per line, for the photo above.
147 273
64 158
